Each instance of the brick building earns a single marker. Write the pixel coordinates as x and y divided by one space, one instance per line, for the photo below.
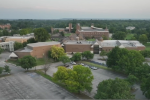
37 50
92 31
67 29
19 39
72 46
7 26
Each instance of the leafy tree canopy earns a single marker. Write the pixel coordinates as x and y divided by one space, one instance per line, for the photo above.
113 89
41 35
27 62
76 80
87 55
64 59
119 35
76 57
143 38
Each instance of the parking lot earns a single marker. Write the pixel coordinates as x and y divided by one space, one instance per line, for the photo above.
31 86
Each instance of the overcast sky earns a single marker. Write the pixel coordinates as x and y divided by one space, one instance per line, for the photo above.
55 9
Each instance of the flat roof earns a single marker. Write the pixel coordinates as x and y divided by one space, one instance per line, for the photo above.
75 42
43 44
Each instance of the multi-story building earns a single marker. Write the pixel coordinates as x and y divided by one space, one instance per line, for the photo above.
92 31
7 45
19 39
7 26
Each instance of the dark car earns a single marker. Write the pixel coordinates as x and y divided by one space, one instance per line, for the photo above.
66 65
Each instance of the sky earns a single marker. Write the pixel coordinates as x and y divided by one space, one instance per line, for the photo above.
58 9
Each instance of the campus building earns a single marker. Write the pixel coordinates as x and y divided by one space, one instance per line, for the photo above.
6 26
20 39
67 29
7 45
97 46
37 50
92 31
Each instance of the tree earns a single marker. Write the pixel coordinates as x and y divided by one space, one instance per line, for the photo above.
31 40
145 87
124 60
7 69
143 38
113 89
119 35
57 52
145 53
1 70
6 33
1 50
88 55
62 33
132 79
76 80
103 53
27 62
76 57
41 35
18 45
47 64
64 59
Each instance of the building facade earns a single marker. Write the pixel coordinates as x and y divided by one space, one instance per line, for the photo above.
6 26
37 50
92 32
7 45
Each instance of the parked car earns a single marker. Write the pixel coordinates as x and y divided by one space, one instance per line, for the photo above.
82 64
94 68
86 66
66 65
73 63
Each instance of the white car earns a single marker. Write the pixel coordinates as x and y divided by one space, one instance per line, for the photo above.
82 64
73 63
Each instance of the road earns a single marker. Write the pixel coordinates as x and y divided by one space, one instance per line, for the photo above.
27 85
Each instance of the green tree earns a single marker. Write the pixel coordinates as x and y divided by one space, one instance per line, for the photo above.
18 45
31 40
27 62
76 80
103 53
57 52
1 70
6 33
119 35
76 57
113 89
143 38
132 79
145 53
124 60
64 59
41 35
7 69
145 87
88 55
1 50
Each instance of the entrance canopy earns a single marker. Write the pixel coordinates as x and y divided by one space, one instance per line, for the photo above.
13 55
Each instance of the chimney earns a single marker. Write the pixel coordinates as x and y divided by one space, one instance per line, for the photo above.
70 27
52 30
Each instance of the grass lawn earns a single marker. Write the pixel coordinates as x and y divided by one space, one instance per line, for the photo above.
91 40
147 46
96 65
129 36
67 34
13 61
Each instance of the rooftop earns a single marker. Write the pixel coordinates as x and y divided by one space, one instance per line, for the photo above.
43 44
79 43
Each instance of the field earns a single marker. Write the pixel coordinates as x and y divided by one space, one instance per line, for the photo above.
147 46
67 34
129 36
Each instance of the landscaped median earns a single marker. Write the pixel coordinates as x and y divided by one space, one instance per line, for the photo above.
81 95
95 65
